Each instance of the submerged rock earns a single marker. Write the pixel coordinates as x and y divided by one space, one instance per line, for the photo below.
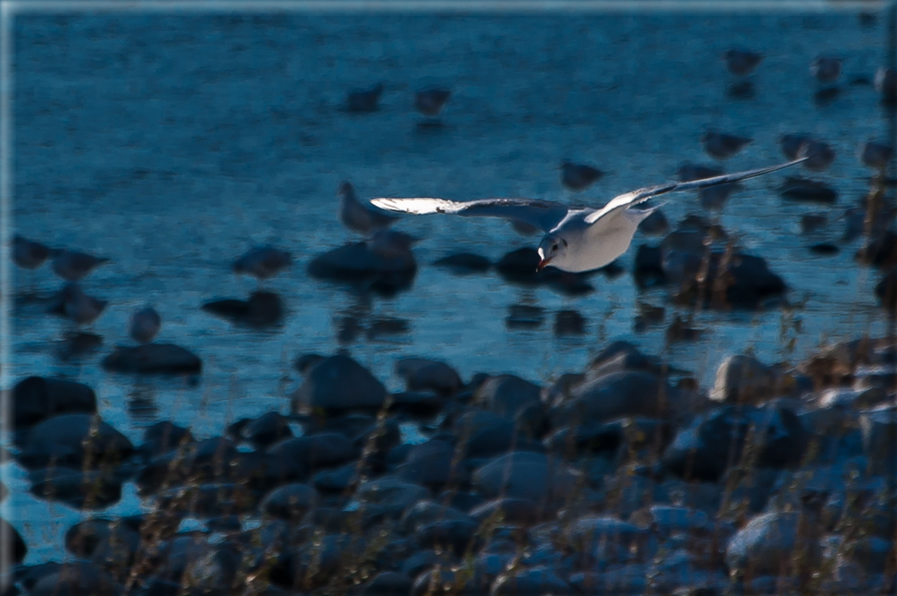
153 359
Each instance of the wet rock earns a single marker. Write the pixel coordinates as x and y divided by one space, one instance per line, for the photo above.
455 535
515 399
426 512
524 316
76 579
527 475
484 434
879 429
290 502
74 440
569 322
464 262
153 358
78 489
262 309
615 395
163 437
391 496
18 549
813 222
771 544
317 450
264 431
714 440
339 383
388 583
360 263
534 581
37 398
421 374
523 512
804 189
745 380
431 464
208 500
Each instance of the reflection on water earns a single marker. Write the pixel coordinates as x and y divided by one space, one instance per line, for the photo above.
172 142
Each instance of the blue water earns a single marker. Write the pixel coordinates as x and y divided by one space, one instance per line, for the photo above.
173 143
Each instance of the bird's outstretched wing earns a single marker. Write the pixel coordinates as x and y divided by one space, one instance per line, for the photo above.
540 214
643 194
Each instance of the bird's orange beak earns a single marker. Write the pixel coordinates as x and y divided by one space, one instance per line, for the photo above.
542 264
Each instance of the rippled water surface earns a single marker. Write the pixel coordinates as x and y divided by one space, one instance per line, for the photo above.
173 143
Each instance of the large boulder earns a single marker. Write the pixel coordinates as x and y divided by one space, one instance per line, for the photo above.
37 398
153 359
339 383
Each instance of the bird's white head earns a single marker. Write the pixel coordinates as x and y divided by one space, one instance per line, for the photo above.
552 250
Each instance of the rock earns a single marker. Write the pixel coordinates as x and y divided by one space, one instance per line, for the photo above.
421 374
535 581
523 512
18 549
290 502
455 535
391 495
431 464
37 398
484 434
317 450
76 579
514 399
153 358
745 380
880 252
797 188
616 395
879 431
465 262
264 431
162 437
388 583
74 440
527 475
771 544
261 310
714 440
81 490
359 263
339 383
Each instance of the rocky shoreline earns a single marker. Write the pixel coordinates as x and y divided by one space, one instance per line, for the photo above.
612 480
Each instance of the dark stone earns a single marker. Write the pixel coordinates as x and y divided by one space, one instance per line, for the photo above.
797 188
37 398
465 262
76 488
317 450
339 383
261 310
290 502
73 440
152 358
358 264
19 550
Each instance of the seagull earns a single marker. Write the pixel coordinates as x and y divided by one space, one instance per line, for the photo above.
72 265
576 239
145 325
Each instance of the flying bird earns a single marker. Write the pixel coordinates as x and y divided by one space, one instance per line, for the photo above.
576 239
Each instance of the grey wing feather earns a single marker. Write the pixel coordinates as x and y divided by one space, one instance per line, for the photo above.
643 194
540 214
